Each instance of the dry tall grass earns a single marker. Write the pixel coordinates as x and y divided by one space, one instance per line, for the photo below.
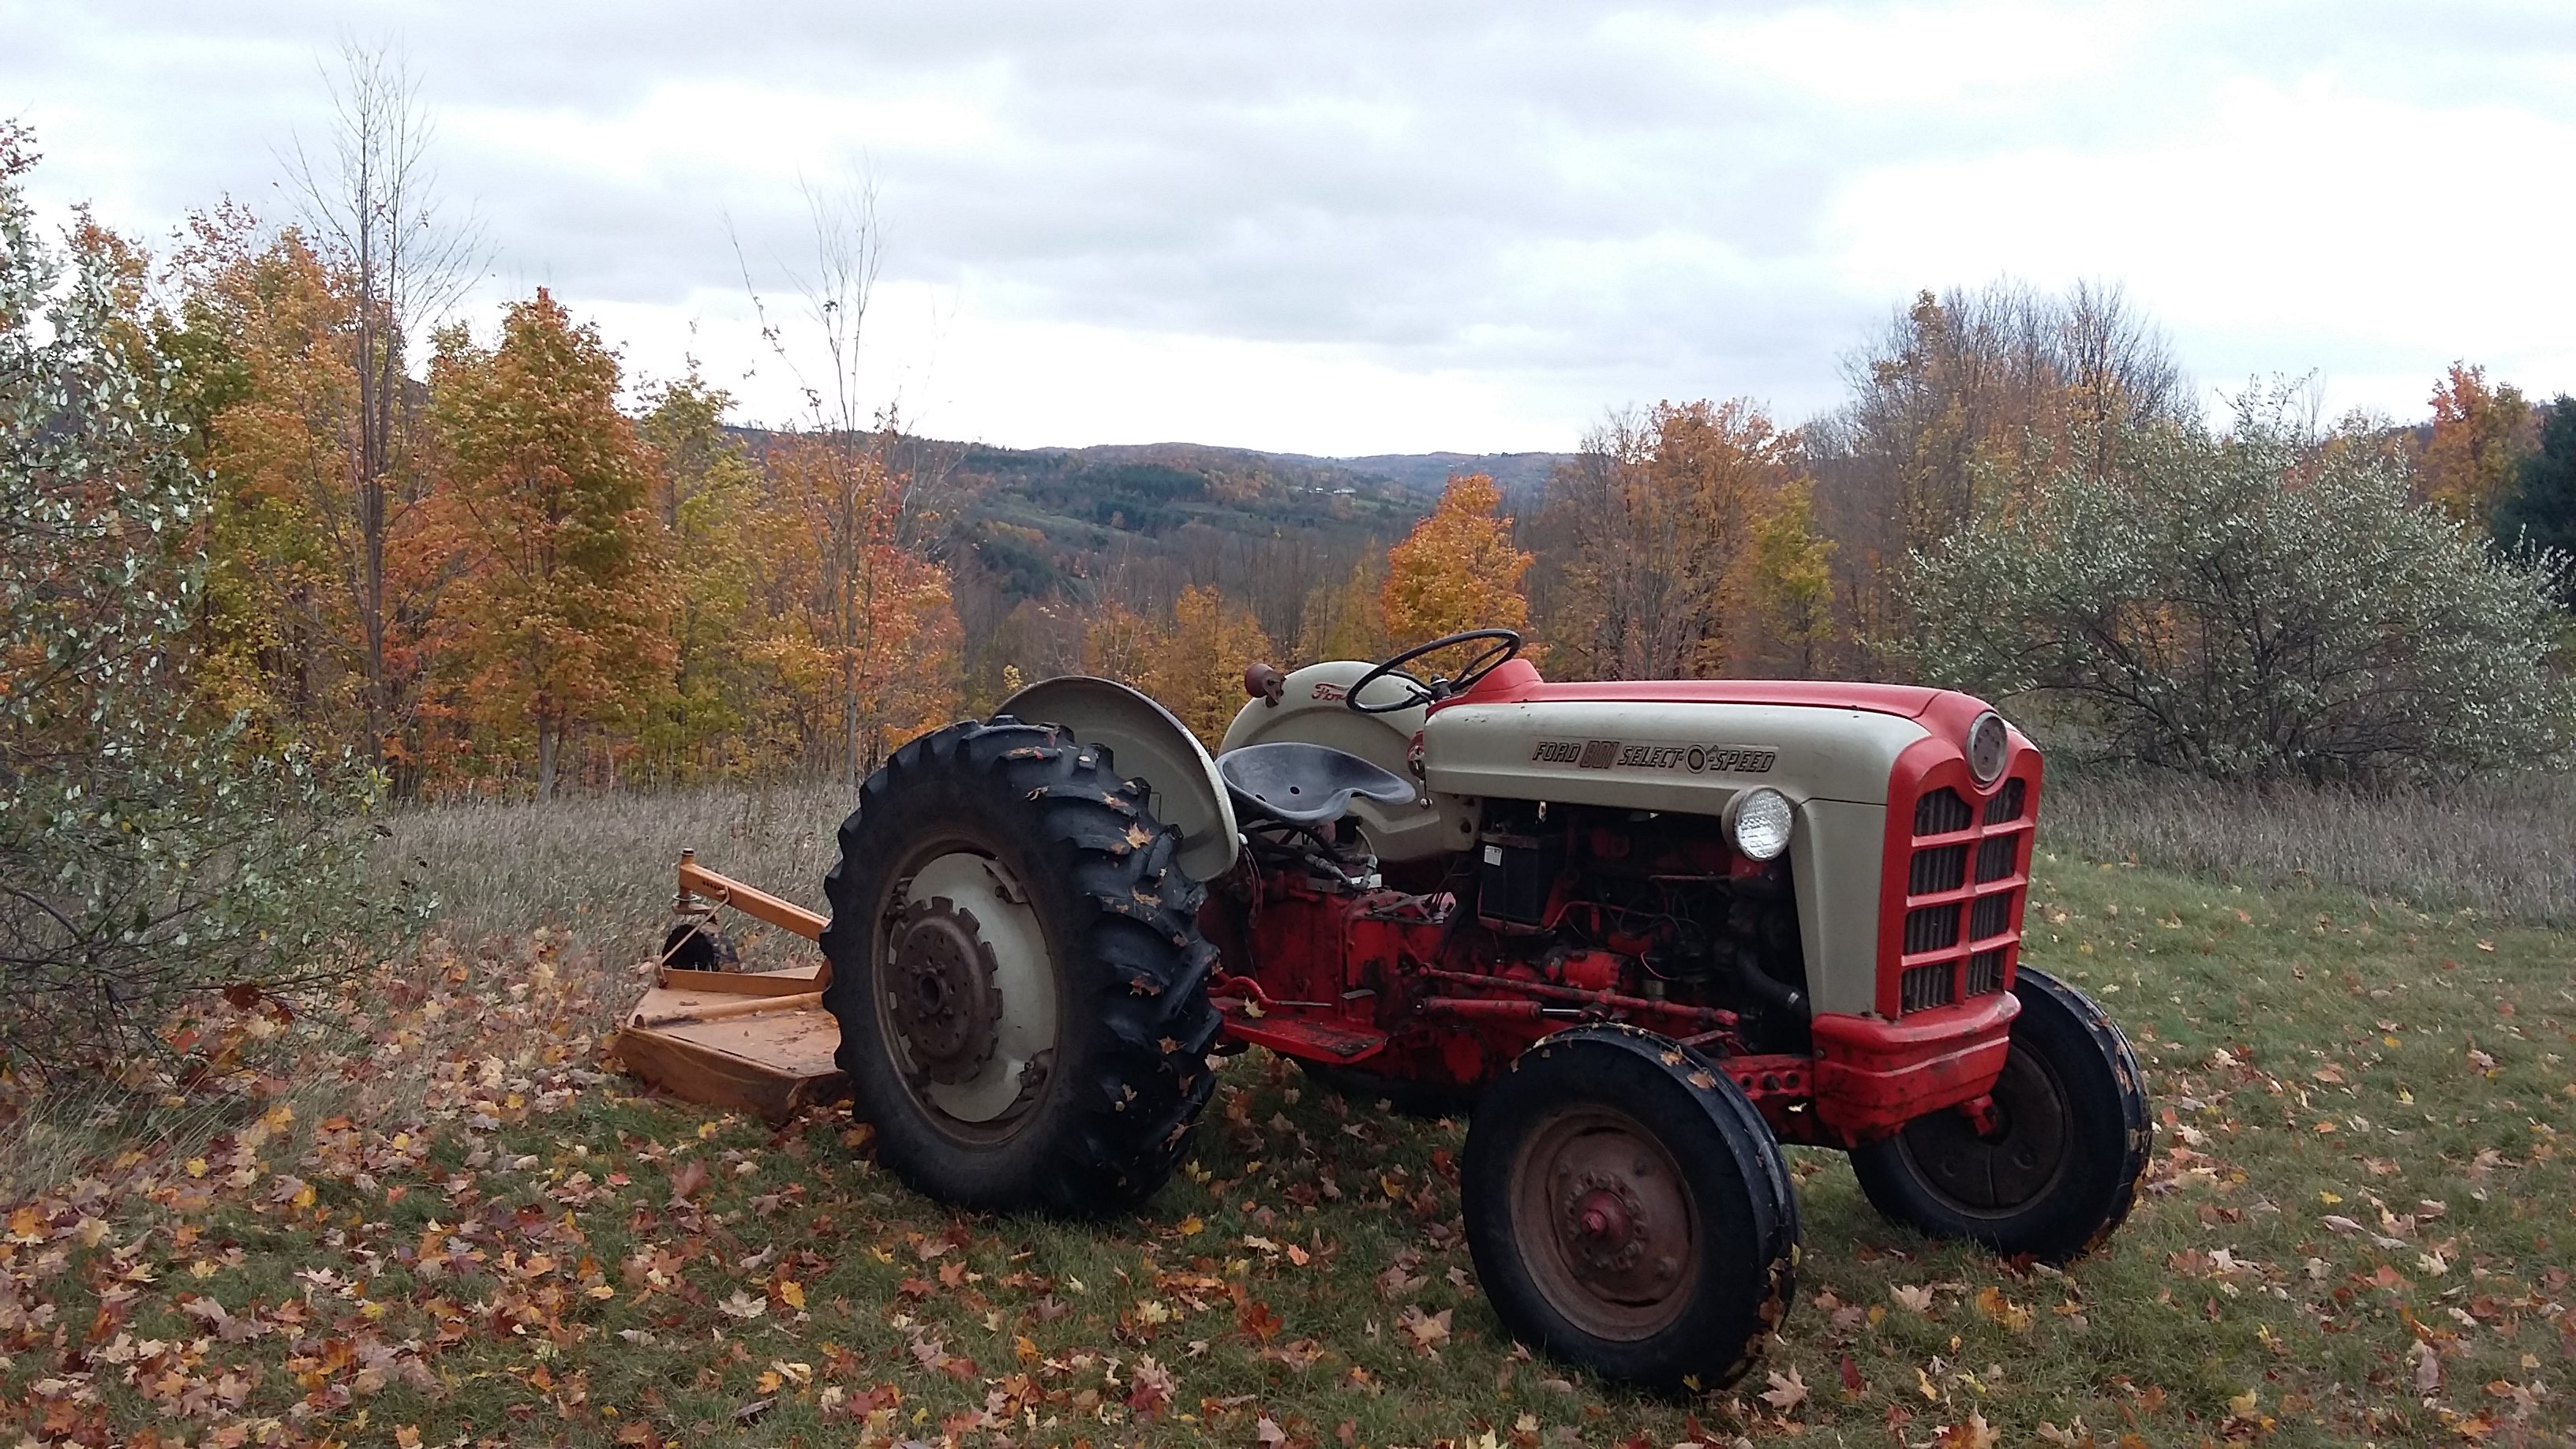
599 867
2504 848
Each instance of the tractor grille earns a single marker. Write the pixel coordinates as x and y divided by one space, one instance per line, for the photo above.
1932 928
1941 812
2006 806
1963 896
1942 869
1924 987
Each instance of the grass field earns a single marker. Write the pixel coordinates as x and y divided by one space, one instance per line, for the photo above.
450 1225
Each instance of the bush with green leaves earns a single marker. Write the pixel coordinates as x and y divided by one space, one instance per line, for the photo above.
148 859
2257 601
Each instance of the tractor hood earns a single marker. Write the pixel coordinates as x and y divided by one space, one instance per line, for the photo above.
1679 745
1519 683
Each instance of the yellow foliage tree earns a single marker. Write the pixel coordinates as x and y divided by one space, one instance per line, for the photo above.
860 632
1457 570
1653 541
1790 579
1196 669
560 622
1119 643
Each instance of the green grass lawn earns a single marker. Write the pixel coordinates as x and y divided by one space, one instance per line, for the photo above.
2356 1227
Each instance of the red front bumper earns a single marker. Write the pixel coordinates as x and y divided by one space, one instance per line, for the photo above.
1872 1075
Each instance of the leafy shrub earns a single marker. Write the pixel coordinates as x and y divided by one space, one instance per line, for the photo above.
2253 602
145 860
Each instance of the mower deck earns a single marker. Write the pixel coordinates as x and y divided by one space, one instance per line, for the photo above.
753 1041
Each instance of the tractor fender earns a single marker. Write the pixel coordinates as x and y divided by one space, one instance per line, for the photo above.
1144 741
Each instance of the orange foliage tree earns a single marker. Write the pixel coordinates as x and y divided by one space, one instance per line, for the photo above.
560 620
321 575
1457 569
1670 535
2481 433
860 635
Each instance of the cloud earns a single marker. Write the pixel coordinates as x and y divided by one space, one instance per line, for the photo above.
1355 227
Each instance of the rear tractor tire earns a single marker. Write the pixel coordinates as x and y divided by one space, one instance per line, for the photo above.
1017 973
1630 1211
2058 1168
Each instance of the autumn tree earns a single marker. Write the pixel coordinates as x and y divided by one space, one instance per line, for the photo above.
561 619
1790 585
1963 394
2473 456
707 496
397 263
1195 669
880 617
863 635
1120 643
1457 569
1651 535
298 553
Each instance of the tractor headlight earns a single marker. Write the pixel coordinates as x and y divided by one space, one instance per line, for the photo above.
1989 739
1757 820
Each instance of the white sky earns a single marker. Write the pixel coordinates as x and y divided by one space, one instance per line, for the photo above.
1351 226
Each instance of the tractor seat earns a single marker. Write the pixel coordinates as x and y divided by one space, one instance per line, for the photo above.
1306 784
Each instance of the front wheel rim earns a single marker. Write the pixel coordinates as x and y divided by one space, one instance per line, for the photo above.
1605 1222
967 993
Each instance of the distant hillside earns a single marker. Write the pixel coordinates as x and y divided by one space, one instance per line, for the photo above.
1037 539
1056 521
1522 475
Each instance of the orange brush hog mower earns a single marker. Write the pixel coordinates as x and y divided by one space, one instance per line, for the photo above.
1639 935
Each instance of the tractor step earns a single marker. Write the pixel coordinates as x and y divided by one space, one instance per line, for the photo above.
1313 1038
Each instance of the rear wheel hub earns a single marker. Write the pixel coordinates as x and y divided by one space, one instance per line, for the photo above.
942 995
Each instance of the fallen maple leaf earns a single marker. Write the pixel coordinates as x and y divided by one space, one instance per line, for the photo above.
1425 1332
685 1182
1909 1296
1993 1304
743 1305
1975 1433
2428 1369
1149 1387
1787 1390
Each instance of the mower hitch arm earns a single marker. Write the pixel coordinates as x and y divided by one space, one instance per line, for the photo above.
752 901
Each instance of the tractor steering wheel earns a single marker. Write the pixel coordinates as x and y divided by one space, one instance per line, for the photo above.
1506 645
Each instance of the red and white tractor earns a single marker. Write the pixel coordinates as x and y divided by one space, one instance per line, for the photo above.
1640 935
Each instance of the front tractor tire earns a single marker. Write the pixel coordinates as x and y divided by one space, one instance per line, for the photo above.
1017 973
1629 1210
2056 1168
